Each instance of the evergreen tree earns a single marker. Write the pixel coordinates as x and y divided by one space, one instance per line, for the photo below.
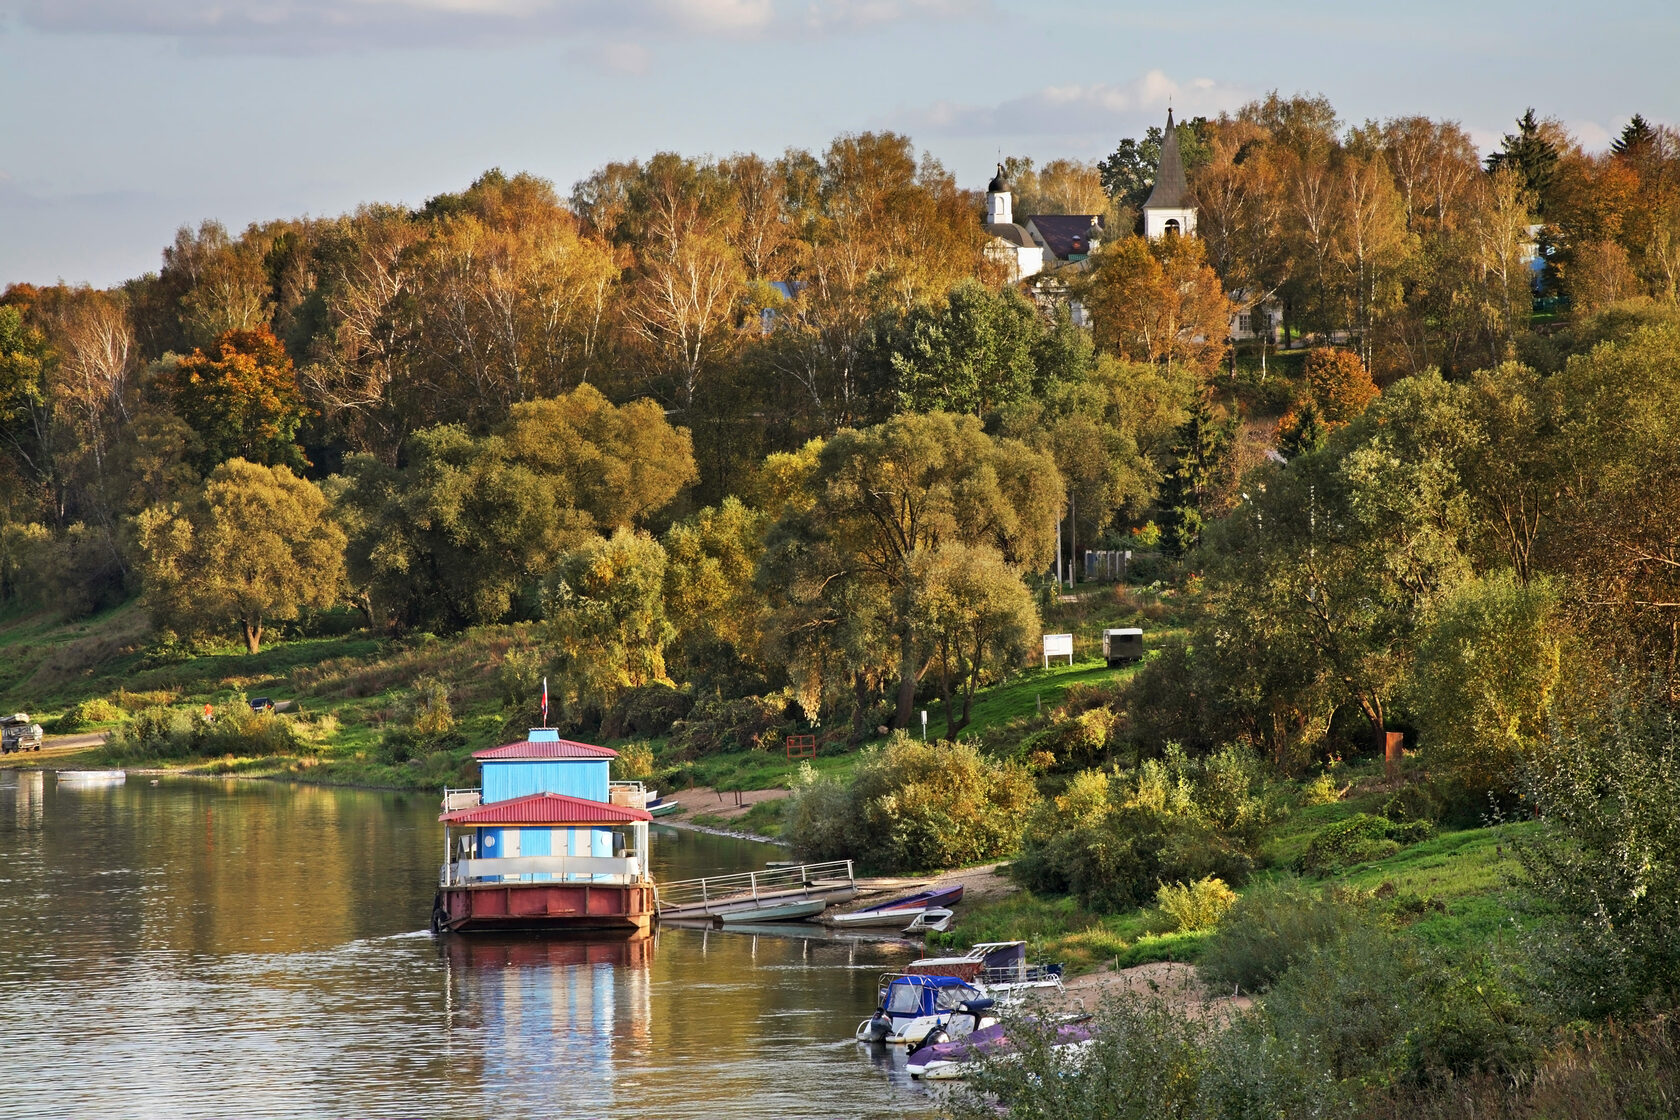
1533 155
1201 454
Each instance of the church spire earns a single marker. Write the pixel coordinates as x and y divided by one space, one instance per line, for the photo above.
1172 190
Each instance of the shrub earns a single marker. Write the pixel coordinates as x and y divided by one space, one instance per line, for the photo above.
634 763
97 710
1111 840
914 806
1198 905
1358 839
1321 790
1269 928
165 733
646 710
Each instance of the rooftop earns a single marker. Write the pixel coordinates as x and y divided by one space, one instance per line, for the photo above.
530 750
546 809
1172 190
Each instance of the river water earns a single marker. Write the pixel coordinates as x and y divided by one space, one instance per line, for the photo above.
207 948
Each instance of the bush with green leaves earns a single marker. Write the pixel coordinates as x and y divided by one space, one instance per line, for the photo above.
1607 865
634 763
913 806
1270 928
750 723
170 733
1112 838
97 710
1361 838
1197 905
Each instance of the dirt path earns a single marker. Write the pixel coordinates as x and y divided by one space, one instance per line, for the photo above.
723 804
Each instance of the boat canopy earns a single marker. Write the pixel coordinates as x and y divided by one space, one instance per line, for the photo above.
928 995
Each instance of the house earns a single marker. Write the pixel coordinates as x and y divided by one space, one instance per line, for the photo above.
545 843
1066 238
1010 245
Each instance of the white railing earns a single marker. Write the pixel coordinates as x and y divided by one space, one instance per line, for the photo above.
753 884
454 799
622 871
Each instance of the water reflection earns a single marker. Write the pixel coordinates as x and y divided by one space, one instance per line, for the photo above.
208 948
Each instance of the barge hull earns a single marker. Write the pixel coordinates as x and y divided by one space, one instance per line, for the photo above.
552 907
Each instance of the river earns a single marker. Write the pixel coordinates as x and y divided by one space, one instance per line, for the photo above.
206 948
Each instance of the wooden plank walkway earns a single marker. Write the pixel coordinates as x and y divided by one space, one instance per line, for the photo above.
716 895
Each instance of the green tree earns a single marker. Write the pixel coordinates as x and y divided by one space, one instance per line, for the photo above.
974 353
606 612
256 545
1533 153
1487 666
243 403
711 561
1608 864
466 529
976 615
879 496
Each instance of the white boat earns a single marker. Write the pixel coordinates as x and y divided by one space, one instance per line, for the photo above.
935 919
897 911
91 777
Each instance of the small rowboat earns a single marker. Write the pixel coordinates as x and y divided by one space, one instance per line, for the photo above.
935 919
776 912
663 808
895 911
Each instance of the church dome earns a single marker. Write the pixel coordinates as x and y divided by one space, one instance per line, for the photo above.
998 184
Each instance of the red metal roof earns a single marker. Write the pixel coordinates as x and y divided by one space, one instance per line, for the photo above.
554 749
546 808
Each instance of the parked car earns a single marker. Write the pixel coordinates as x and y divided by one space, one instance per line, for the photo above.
18 734
261 704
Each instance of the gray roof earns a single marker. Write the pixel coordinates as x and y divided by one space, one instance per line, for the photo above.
1011 233
1172 191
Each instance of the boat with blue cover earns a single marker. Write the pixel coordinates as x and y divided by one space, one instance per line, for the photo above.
912 1007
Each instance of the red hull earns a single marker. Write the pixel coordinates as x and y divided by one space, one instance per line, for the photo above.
507 907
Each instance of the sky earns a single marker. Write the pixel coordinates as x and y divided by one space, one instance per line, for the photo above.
123 120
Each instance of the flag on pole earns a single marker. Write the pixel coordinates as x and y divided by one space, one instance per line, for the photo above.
545 701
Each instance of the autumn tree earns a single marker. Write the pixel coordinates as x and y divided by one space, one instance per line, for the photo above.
242 403
1340 385
1157 301
256 545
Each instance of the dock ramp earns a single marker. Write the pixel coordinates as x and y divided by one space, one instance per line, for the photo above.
717 895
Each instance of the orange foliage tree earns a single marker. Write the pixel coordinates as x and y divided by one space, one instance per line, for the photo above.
244 403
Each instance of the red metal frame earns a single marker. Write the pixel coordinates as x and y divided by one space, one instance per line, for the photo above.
802 746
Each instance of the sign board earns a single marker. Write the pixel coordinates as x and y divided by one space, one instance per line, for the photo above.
1058 645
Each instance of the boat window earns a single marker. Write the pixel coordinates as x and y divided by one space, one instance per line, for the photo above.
949 998
906 1000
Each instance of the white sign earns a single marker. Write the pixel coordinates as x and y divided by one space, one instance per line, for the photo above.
1058 645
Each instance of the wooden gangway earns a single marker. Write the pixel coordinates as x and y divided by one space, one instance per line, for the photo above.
716 895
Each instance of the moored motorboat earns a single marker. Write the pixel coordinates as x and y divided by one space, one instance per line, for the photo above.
1000 967
896 911
912 1007
772 911
948 1055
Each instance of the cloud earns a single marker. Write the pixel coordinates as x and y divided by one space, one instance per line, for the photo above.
309 26
1080 110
